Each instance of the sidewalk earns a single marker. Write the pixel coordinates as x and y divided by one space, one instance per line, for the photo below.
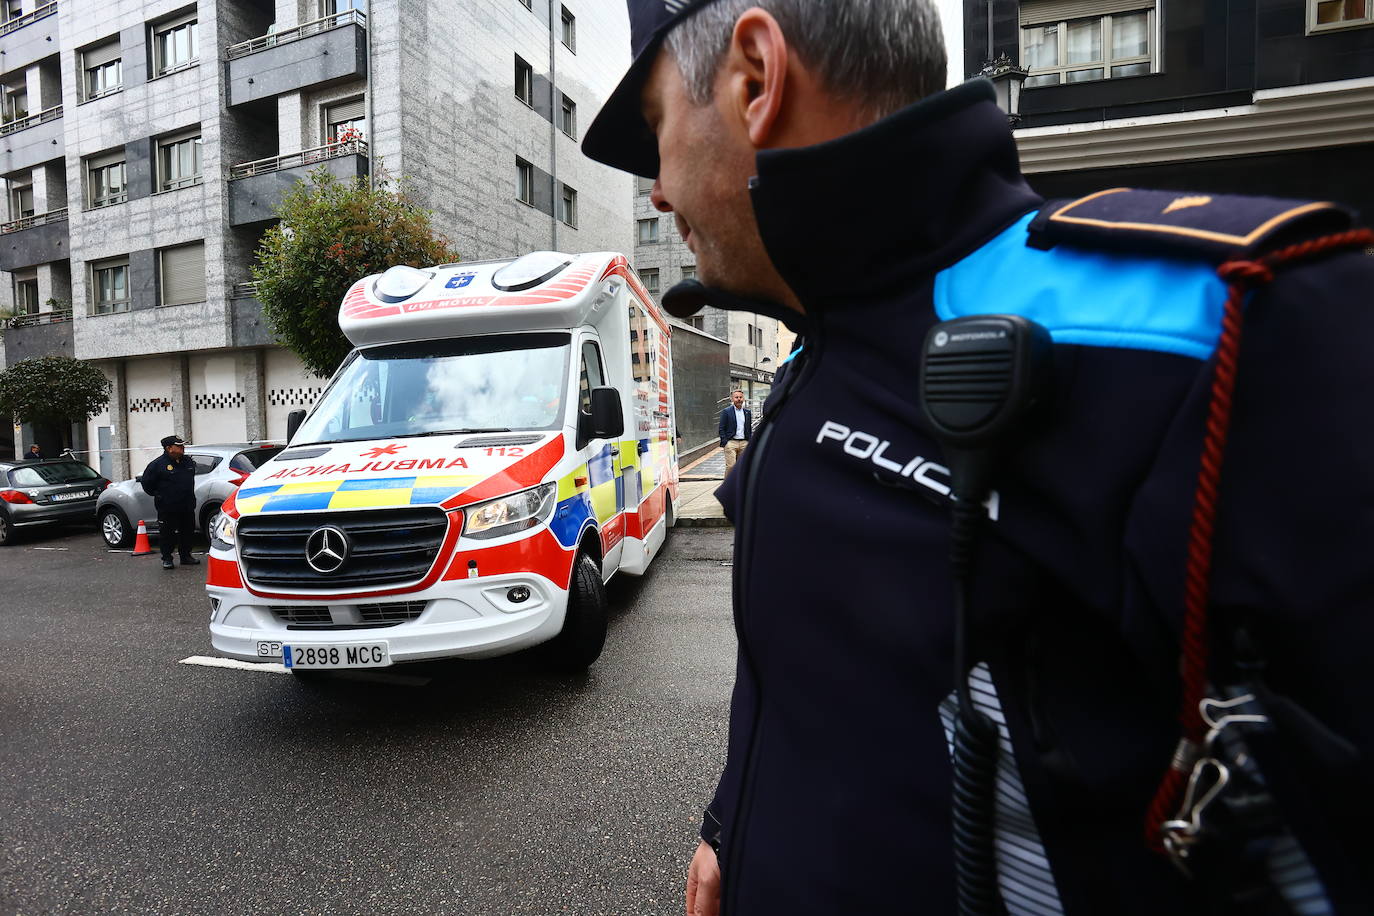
697 506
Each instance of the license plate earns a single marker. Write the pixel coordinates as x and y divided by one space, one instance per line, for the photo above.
360 655
62 497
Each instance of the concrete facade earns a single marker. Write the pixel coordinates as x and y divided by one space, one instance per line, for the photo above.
434 83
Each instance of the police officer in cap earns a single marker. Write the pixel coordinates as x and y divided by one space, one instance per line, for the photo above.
171 480
821 174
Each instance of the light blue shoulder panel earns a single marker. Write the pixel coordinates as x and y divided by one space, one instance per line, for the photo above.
1099 299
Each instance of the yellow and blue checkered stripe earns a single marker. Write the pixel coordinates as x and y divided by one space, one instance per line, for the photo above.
310 495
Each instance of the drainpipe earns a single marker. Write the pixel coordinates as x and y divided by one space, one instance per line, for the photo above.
367 99
553 129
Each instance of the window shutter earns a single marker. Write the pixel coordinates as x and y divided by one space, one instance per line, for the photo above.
183 274
100 54
104 159
1037 12
346 111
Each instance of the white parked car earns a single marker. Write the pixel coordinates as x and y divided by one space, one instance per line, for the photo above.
219 471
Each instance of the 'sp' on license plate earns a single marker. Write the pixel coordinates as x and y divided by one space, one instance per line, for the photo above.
361 655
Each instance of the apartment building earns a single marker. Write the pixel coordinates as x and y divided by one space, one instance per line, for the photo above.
663 259
1268 97
145 144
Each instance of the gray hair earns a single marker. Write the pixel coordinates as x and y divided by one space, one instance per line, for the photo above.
882 54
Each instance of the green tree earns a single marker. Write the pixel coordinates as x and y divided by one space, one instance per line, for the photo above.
331 234
53 392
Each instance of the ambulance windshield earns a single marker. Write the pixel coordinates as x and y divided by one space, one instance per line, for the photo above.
479 384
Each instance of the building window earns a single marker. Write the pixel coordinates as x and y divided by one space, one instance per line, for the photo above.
643 185
21 201
689 272
176 45
13 9
695 321
181 274
567 117
335 7
648 231
345 121
110 284
26 296
105 180
178 162
1323 15
650 279
15 103
567 206
1080 50
524 182
569 30
102 70
524 81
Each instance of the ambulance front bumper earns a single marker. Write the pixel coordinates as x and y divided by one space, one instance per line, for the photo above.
472 618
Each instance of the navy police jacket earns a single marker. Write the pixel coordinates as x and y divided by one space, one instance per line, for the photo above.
835 796
171 482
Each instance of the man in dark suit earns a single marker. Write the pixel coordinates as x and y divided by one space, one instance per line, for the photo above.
736 422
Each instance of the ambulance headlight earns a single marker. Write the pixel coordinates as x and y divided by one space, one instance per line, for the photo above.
224 530
509 514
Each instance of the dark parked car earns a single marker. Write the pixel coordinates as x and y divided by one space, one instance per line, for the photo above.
45 492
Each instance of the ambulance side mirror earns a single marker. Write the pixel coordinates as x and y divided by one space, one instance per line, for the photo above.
293 422
606 420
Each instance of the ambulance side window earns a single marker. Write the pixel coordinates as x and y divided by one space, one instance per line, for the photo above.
592 377
643 346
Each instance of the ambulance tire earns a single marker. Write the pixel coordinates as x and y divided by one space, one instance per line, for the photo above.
583 635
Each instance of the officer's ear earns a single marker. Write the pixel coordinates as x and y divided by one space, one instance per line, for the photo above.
755 75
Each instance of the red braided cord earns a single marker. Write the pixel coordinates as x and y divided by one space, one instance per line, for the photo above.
1242 276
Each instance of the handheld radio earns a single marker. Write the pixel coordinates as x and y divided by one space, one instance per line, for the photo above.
981 377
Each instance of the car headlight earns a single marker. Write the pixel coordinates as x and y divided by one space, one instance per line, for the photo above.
509 514
223 532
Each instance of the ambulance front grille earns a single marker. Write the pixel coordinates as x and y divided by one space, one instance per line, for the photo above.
387 547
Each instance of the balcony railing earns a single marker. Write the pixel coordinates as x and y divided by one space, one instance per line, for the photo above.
295 33
30 120
38 219
56 316
292 160
247 290
20 21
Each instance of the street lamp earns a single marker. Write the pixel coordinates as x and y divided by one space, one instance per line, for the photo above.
1006 78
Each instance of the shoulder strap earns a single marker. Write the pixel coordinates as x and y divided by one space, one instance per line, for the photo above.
1215 227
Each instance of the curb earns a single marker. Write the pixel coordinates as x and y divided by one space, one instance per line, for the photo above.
708 521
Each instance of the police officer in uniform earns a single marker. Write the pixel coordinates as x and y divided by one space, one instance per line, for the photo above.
820 175
171 480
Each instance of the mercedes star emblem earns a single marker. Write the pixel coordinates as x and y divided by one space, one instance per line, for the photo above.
326 549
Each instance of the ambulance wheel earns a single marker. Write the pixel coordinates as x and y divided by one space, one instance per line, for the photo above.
584 625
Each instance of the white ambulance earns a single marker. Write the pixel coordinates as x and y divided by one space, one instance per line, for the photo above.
498 446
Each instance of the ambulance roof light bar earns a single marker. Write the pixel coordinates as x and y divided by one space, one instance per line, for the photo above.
530 270
399 283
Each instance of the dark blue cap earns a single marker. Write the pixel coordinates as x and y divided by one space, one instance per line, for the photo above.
619 136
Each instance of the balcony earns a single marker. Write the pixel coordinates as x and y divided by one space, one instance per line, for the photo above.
38 239
31 140
39 334
23 43
256 188
248 326
326 50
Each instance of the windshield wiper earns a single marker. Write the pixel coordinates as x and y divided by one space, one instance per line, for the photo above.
456 432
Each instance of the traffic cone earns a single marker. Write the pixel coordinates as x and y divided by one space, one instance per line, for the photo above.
141 545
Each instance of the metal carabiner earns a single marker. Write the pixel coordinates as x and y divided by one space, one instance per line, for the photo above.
1183 832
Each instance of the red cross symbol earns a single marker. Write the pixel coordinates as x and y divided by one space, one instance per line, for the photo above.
381 450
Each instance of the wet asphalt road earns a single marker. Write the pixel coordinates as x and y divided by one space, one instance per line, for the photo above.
130 783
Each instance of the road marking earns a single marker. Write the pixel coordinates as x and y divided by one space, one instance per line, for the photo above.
210 662
352 674
50 548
